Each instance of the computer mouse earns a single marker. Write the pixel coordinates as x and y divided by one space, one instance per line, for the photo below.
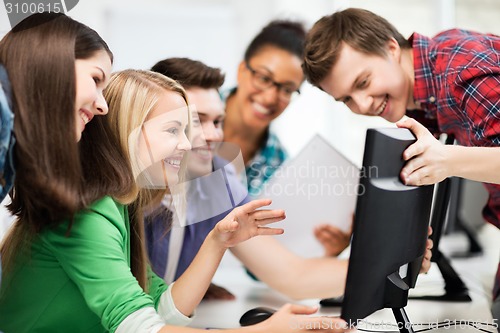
333 301
256 315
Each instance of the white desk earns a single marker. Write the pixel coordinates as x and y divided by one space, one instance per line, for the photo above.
476 272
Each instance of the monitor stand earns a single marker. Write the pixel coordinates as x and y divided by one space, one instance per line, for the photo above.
456 221
395 281
454 287
404 324
475 248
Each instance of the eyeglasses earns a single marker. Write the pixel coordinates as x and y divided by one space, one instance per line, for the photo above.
261 81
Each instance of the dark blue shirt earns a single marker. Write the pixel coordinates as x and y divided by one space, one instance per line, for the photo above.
7 140
209 200
7 171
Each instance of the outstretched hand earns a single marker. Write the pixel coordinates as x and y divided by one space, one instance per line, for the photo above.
292 318
426 159
247 221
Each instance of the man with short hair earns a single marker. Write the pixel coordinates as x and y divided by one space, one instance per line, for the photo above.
270 261
449 83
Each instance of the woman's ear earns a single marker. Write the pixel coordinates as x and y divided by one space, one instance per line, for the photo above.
241 69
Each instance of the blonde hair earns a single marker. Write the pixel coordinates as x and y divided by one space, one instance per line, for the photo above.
131 96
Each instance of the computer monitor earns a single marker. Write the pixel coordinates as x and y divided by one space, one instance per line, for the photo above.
390 231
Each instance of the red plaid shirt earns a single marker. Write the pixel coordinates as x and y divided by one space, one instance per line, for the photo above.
457 83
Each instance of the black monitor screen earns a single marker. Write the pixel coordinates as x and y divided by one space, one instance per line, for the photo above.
390 229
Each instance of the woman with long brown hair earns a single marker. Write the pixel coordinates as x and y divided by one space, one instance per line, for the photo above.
65 161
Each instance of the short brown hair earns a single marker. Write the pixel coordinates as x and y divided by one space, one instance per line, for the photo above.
361 29
190 73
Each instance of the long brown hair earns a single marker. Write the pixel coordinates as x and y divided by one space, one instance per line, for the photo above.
55 176
131 96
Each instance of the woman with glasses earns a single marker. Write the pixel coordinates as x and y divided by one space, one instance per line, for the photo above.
268 78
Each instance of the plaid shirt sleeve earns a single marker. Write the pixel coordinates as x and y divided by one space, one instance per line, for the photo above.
477 92
457 83
469 76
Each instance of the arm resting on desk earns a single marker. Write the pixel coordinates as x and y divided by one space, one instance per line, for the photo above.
289 318
290 274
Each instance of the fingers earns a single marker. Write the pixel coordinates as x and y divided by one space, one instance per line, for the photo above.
300 309
302 323
422 176
414 126
254 204
327 232
426 175
428 249
332 239
420 132
323 237
413 165
261 216
413 150
234 225
261 223
320 324
266 217
322 232
415 169
428 254
426 265
430 244
329 229
266 231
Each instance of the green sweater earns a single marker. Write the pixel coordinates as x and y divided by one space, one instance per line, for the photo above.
76 283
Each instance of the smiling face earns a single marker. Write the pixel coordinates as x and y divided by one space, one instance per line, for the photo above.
162 140
258 107
369 84
207 131
92 76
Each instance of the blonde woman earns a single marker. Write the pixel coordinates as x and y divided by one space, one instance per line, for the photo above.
149 114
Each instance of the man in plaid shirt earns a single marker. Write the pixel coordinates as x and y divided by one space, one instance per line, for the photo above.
450 84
